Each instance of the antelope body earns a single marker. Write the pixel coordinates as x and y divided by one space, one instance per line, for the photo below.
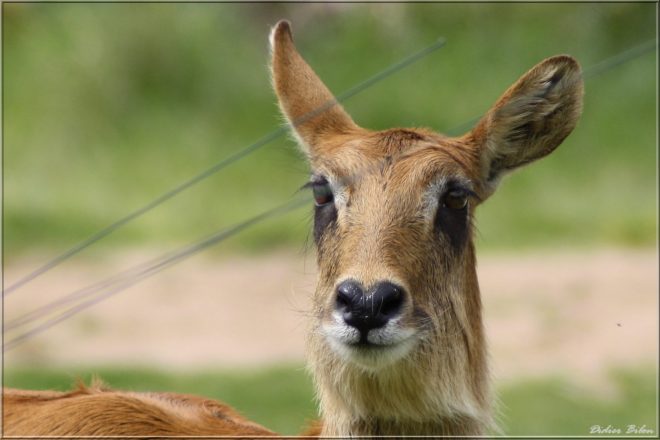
396 344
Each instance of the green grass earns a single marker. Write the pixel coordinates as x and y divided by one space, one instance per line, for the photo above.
554 406
106 106
282 398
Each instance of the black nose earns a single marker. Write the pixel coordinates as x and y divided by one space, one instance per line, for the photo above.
368 311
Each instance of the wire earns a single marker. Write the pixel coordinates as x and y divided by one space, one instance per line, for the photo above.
222 164
597 69
621 58
76 295
157 266
127 278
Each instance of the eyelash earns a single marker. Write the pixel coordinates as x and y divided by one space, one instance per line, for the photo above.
456 198
321 190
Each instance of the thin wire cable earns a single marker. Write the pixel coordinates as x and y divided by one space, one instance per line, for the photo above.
153 266
162 264
597 69
109 282
44 310
223 164
594 70
621 58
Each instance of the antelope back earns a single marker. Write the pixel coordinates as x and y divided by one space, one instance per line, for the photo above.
100 411
397 330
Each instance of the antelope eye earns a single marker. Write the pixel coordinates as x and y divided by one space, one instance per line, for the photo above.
322 193
455 199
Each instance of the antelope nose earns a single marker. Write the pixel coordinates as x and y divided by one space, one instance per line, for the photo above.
368 311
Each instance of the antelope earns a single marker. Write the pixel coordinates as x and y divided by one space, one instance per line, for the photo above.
396 341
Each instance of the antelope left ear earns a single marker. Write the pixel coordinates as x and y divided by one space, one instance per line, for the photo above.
530 119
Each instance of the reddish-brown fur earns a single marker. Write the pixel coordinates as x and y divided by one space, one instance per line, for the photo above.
99 411
389 220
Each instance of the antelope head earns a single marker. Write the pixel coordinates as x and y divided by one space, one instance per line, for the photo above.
396 343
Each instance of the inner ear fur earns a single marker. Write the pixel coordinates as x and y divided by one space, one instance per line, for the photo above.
530 119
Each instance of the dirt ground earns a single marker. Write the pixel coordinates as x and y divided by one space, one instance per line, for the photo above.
577 314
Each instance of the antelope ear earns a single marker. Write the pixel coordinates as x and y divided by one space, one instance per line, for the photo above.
530 119
306 102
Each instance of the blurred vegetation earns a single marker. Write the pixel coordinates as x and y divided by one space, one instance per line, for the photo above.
282 399
107 106
555 406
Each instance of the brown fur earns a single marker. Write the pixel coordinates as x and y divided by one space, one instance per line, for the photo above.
383 229
99 411
388 191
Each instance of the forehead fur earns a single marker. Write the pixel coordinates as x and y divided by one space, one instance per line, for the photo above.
413 152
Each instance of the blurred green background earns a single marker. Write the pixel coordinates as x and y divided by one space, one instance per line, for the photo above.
107 106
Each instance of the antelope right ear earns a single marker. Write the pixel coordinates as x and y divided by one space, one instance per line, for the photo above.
310 108
530 120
